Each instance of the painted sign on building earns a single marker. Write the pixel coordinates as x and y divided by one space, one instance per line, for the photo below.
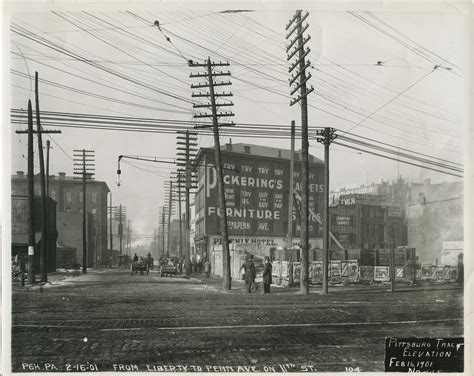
363 199
257 195
344 224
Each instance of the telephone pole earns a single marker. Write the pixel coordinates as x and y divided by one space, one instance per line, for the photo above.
31 195
111 237
169 195
84 165
186 157
299 79
44 203
53 254
163 221
129 239
289 238
326 136
44 192
31 199
122 215
180 216
214 105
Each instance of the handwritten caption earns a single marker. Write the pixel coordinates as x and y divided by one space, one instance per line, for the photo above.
424 354
119 367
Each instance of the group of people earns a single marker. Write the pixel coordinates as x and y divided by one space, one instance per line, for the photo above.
189 266
149 259
251 273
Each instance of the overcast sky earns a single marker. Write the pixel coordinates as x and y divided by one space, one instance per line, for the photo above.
401 101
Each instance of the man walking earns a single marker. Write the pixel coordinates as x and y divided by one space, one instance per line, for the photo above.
250 272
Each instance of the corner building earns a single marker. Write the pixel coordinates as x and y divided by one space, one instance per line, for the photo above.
257 182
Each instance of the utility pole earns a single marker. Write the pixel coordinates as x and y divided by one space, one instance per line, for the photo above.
326 136
53 254
163 214
169 217
44 203
186 157
122 216
180 217
129 239
111 232
31 191
31 199
300 79
289 239
86 169
214 105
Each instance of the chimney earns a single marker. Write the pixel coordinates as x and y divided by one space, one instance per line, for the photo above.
228 146
20 174
62 175
427 182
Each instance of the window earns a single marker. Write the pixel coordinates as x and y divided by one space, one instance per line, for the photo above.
68 196
94 197
94 211
80 210
247 149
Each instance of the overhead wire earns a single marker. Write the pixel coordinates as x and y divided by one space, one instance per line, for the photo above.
252 129
99 66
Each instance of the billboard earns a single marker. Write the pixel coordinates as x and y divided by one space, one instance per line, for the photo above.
257 195
363 199
343 221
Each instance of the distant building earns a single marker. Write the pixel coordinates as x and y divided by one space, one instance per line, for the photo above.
256 180
434 212
20 230
67 192
365 221
437 218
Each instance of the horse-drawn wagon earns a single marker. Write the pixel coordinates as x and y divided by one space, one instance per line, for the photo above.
141 266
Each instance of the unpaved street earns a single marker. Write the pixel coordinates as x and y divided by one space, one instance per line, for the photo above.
110 320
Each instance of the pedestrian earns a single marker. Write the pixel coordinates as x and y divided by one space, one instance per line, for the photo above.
188 266
267 275
250 272
194 264
135 258
199 266
207 268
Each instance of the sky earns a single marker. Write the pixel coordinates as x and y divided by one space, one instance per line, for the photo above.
373 73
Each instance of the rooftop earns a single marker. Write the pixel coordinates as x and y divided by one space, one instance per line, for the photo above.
263 151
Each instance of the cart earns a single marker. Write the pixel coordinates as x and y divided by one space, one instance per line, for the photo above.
140 266
168 270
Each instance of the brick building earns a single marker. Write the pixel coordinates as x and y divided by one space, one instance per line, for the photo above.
67 192
434 212
20 230
256 180
366 221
